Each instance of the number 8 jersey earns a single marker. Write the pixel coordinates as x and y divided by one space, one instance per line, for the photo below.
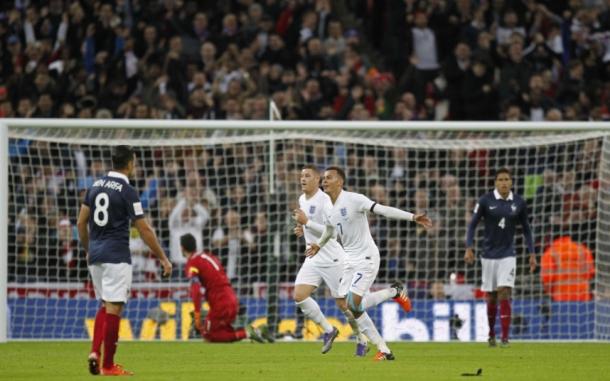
113 203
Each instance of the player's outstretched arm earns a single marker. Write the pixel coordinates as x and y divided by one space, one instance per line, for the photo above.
83 230
150 239
398 214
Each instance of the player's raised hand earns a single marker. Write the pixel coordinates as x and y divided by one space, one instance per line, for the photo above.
167 267
533 263
298 230
423 220
312 250
469 256
299 216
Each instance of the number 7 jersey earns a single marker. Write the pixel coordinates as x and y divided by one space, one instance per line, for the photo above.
113 203
348 218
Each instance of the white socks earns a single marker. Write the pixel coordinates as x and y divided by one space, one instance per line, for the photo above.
375 298
349 316
368 328
312 310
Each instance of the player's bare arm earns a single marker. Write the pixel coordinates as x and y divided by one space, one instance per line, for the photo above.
83 229
298 230
150 239
469 256
533 263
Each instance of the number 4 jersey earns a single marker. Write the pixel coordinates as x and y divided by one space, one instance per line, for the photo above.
501 217
113 203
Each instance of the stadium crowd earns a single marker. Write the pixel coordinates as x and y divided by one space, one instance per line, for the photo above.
318 59
322 59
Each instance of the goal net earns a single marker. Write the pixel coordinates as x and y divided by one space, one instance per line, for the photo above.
233 186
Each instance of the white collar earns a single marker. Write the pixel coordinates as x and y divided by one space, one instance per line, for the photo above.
313 195
119 175
497 195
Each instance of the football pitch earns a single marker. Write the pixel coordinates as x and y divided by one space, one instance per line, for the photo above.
302 361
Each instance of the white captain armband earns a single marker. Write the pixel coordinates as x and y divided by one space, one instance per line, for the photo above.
137 209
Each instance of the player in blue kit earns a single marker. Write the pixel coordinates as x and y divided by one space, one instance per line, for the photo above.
502 211
103 227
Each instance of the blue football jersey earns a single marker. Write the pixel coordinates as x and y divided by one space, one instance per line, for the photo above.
113 204
501 218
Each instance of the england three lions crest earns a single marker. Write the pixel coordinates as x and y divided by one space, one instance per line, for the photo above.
344 212
312 209
513 208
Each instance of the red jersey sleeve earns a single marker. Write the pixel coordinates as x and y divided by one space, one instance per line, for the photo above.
192 273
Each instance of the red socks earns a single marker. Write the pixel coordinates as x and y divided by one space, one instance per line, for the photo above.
98 330
492 309
505 318
110 339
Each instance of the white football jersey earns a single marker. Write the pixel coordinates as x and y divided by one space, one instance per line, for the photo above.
349 218
332 253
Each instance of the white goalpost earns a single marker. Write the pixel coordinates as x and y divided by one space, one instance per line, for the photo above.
233 185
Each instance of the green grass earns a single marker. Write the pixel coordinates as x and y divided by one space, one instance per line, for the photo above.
49 361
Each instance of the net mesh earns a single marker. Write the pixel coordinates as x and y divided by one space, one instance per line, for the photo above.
216 184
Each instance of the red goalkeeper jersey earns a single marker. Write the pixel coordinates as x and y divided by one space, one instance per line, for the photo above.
204 269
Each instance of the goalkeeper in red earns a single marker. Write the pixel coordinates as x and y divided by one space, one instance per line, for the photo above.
205 270
502 211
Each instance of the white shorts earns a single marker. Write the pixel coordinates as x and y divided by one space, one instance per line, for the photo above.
498 273
111 281
313 275
358 277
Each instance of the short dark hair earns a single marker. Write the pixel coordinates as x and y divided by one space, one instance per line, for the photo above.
121 156
312 167
501 171
339 172
188 243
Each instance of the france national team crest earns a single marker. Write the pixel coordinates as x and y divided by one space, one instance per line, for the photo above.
513 208
344 212
312 209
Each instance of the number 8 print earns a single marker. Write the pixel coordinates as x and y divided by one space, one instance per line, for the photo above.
101 209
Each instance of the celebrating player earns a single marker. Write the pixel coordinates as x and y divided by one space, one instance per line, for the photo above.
349 216
502 211
103 227
327 266
205 269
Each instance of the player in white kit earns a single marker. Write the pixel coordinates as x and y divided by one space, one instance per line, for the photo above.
327 266
348 218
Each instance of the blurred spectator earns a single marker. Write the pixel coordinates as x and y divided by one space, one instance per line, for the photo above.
567 268
188 216
230 240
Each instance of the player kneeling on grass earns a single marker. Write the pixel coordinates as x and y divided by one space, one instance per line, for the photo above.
204 269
